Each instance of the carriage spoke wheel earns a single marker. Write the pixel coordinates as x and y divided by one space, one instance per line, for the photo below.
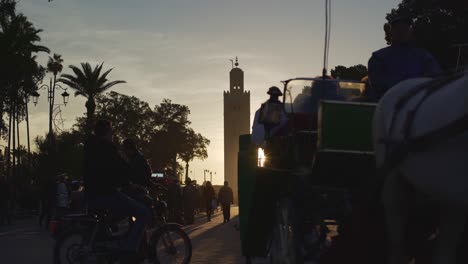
282 249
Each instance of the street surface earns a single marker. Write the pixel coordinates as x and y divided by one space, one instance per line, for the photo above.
213 242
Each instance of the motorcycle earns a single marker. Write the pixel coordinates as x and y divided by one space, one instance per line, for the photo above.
94 235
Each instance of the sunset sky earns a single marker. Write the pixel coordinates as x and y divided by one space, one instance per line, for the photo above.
180 49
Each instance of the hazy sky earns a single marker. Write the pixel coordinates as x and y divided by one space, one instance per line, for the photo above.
181 49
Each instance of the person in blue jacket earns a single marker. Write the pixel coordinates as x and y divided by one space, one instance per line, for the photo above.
399 61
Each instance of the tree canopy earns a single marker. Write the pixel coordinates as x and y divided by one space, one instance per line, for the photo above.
19 70
355 73
163 133
438 27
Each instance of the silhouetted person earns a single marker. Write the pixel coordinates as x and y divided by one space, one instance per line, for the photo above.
226 198
4 200
105 173
260 130
200 198
174 201
209 195
190 196
140 171
63 196
48 200
399 61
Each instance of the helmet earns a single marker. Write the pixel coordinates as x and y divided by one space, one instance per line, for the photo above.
274 91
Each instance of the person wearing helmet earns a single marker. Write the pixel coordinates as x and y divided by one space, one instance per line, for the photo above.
269 117
140 171
399 61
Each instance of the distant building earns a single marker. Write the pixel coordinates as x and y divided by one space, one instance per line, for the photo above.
236 123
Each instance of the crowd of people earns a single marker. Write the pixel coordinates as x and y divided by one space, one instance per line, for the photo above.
55 197
186 202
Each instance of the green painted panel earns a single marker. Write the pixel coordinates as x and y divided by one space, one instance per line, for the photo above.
247 165
345 126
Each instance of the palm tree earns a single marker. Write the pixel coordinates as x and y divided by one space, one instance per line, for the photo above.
89 83
54 65
18 43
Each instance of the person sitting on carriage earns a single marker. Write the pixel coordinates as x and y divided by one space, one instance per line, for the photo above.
263 124
399 61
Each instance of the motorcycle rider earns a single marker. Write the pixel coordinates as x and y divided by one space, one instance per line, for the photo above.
139 167
105 174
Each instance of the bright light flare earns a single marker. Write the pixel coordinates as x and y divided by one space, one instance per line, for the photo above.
261 157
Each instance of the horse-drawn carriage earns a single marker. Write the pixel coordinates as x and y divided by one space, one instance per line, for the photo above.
316 166
321 165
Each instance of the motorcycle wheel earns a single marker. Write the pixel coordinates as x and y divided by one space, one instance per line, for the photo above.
170 244
70 248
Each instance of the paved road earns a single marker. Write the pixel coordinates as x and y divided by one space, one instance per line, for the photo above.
213 242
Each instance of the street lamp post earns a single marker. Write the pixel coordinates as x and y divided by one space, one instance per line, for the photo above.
51 98
204 176
211 176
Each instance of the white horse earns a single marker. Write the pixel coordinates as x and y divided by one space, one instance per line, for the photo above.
440 172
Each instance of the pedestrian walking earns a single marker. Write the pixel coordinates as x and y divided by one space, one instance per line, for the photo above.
174 201
209 195
226 198
189 194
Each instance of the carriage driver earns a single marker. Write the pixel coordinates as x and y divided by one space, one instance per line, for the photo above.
258 127
399 61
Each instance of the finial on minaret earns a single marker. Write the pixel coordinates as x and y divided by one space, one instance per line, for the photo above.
237 62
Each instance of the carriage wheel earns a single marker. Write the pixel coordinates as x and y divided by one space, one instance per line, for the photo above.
282 249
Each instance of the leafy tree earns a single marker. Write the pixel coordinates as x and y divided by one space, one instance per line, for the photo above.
194 146
89 83
69 155
130 117
355 73
439 25
19 70
172 122
163 134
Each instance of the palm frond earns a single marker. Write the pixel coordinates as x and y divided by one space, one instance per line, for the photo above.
109 85
80 75
78 93
103 79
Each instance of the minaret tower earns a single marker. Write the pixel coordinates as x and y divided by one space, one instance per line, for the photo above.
236 123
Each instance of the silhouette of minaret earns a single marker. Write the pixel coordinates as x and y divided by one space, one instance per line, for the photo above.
236 123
